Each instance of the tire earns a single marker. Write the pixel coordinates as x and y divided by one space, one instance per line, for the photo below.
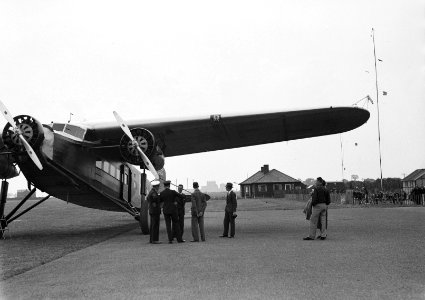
144 217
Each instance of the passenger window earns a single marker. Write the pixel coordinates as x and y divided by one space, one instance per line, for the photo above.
112 171
99 164
106 166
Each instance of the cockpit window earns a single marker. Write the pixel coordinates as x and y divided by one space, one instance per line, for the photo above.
75 131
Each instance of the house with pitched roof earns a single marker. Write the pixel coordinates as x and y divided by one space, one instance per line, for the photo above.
414 179
269 183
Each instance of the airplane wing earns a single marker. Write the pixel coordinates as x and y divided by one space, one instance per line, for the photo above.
218 132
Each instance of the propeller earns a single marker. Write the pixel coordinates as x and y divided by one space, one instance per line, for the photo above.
127 131
28 148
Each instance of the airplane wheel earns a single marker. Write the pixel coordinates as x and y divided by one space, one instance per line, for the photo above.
144 217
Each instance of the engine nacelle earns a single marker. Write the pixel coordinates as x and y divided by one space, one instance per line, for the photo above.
146 141
31 130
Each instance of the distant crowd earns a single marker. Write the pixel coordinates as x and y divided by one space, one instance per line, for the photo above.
363 197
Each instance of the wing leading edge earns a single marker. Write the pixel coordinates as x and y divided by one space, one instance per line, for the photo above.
219 132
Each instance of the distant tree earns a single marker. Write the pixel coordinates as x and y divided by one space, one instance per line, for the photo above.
309 181
354 177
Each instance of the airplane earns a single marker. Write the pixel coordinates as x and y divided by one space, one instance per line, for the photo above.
103 165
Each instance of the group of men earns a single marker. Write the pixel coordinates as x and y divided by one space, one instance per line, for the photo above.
172 203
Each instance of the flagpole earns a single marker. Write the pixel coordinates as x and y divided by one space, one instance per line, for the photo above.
342 157
377 104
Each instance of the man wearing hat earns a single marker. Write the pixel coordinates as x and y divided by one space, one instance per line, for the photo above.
230 212
154 212
199 203
320 202
181 208
169 198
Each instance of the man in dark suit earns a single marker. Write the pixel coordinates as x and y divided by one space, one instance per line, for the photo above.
181 208
154 212
230 212
168 198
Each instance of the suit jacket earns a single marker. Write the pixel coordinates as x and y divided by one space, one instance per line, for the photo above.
154 203
308 210
199 202
181 203
231 203
320 195
168 197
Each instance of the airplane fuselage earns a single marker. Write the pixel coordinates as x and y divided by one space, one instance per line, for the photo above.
72 172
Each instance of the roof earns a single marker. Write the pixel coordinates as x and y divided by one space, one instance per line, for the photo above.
414 175
273 176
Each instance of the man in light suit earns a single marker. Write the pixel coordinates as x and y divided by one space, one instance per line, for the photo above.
230 212
199 203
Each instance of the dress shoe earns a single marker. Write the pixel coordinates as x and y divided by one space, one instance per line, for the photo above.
182 241
318 237
231 237
194 241
170 242
323 238
156 242
308 239
223 236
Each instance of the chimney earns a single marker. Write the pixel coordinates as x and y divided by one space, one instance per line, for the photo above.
265 169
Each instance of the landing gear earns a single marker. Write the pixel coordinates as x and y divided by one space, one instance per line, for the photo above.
3 196
144 217
6 220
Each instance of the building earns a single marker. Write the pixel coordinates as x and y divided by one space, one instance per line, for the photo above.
21 194
211 187
414 179
266 183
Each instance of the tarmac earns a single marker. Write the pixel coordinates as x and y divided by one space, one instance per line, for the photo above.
370 253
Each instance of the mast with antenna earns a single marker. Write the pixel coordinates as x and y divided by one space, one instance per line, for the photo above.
377 104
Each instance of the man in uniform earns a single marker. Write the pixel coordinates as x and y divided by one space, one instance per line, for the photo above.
230 212
199 203
154 212
168 198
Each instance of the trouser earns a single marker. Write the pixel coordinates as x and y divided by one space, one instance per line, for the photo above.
318 214
181 222
154 228
198 222
174 230
229 219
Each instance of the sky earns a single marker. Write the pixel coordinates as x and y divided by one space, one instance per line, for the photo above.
159 59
